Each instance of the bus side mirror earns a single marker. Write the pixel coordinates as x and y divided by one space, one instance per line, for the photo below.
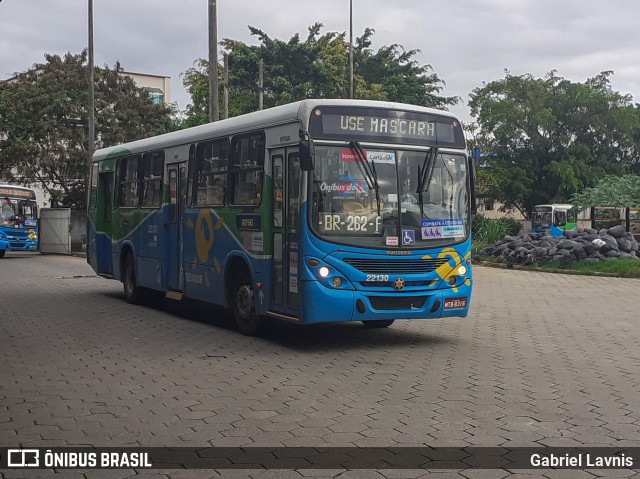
307 155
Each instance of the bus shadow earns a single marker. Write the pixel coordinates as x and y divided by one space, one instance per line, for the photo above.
347 335
186 309
302 338
20 255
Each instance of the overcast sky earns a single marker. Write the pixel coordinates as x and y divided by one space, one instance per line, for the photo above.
467 42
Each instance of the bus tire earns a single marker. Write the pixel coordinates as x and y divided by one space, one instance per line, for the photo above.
132 291
2 252
247 320
382 323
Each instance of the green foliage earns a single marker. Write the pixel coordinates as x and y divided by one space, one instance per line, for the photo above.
397 74
485 231
626 268
620 191
316 67
546 139
196 82
513 226
44 123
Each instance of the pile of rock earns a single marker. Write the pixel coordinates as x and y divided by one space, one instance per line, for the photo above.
589 245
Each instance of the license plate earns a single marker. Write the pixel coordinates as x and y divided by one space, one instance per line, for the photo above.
455 303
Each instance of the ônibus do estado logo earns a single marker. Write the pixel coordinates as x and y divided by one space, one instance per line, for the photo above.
346 185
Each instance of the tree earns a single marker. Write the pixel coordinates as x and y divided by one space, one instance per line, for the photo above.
317 67
196 82
618 191
44 123
398 75
548 138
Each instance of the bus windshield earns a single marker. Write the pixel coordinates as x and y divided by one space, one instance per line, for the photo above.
18 212
542 217
347 210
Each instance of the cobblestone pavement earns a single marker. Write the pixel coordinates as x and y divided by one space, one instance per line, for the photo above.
542 360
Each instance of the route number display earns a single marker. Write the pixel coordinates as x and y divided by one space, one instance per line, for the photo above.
350 223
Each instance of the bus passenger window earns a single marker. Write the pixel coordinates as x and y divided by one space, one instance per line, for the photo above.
210 173
247 153
128 177
152 171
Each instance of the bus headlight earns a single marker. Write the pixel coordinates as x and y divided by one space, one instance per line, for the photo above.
327 275
457 276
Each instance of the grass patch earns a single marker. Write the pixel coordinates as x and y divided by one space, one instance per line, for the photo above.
626 268
485 231
478 246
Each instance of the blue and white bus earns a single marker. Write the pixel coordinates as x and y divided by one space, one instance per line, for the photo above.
18 219
316 211
554 219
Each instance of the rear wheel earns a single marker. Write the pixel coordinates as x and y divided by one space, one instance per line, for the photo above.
2 252
132 291
383 323
244 308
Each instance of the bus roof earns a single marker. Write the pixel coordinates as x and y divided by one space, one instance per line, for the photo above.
270 117
557 206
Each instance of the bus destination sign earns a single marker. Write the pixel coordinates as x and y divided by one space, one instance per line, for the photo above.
393 126
15 192
383 126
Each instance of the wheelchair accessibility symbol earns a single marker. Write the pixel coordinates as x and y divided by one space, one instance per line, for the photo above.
408 237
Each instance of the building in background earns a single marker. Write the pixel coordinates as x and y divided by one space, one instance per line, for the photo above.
159 87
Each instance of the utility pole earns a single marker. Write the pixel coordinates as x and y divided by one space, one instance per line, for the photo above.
260 85
91 106
226 86
214 113
350 48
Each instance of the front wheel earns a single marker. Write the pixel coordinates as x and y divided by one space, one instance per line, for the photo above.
132 291
248 321
2 252
383 323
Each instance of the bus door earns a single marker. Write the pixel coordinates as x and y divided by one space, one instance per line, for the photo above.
285 164
177 195
103 222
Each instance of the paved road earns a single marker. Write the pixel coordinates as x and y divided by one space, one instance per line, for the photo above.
543 360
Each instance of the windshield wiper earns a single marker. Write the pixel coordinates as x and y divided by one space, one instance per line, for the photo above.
368 171
424 176
452 185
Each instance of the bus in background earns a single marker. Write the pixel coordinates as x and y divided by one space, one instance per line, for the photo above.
316 211
18 219
554 219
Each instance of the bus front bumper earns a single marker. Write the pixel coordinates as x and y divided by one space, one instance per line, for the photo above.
322 304
22 246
